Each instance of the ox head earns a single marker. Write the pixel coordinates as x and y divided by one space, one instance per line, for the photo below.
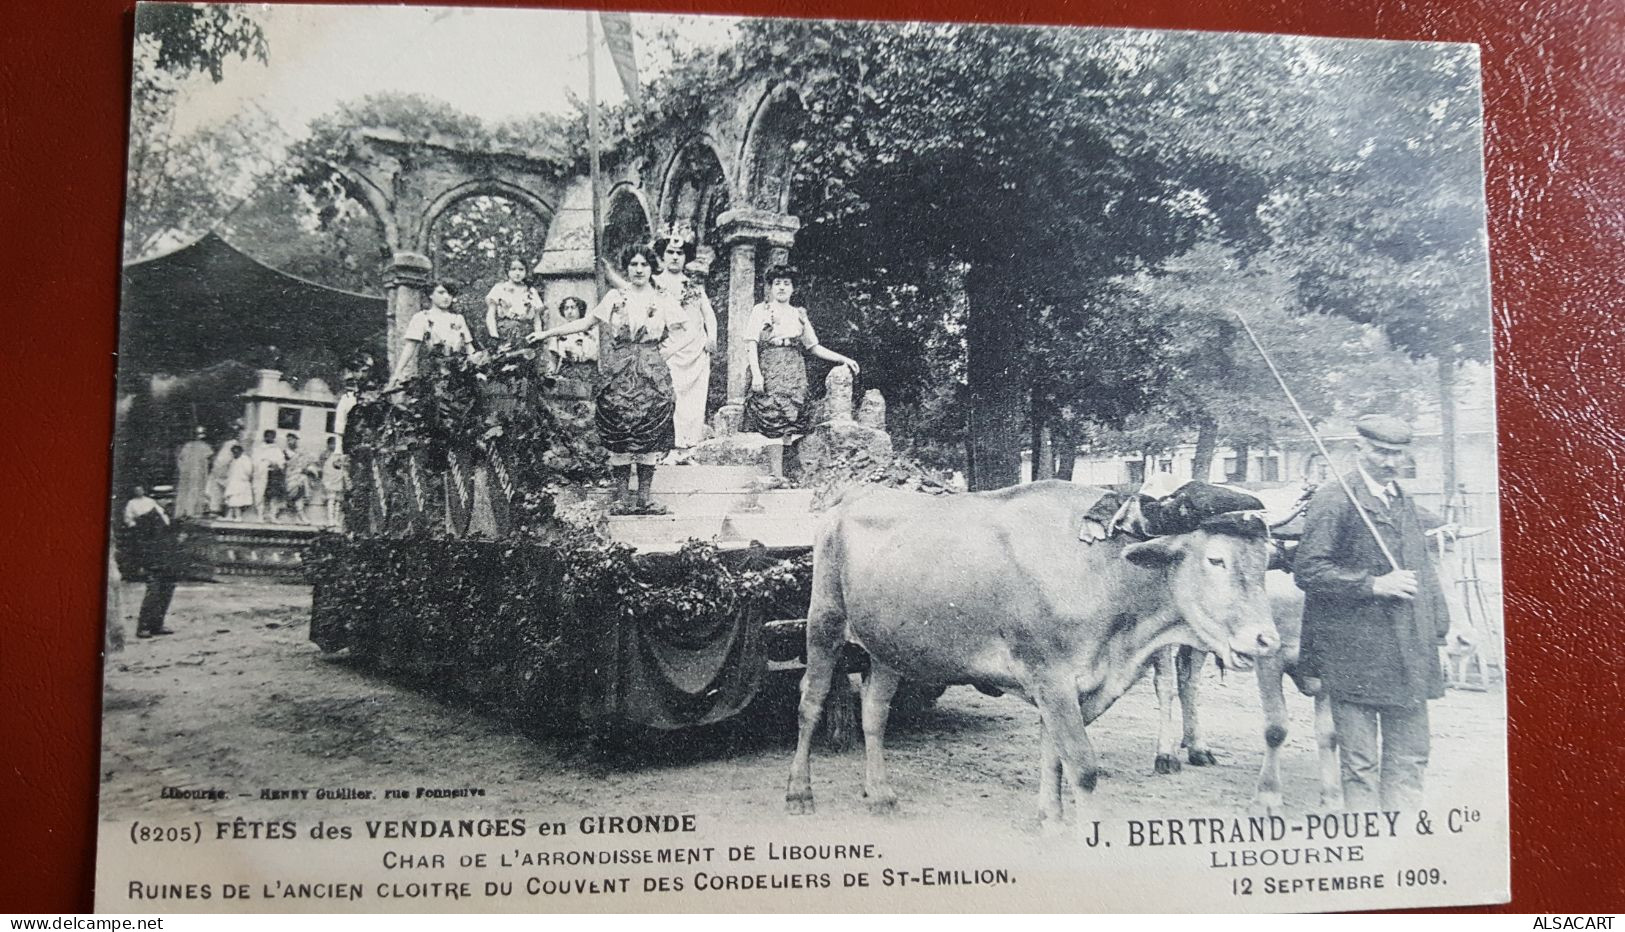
1215 577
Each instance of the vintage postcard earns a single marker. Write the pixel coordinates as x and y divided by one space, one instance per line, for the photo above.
619 462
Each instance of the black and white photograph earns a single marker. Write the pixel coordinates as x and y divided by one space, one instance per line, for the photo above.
587 461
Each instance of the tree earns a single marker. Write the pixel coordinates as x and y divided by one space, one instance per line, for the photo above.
332 241
1400 241
1343 179
1222 392
987 150
180 186
198 39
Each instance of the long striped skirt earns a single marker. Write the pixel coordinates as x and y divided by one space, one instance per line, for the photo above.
635 404
780 408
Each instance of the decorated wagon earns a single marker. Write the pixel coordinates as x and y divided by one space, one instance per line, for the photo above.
477 557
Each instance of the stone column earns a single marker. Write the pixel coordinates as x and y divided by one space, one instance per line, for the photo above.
406 287
741 298
746 233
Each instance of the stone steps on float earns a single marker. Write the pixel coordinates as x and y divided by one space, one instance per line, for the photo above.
695 478
668 533
700 504
663 533
773 530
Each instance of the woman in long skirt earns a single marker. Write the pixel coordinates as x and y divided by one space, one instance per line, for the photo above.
687 350
777 339
635 400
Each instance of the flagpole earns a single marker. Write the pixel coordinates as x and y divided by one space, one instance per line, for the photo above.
593 144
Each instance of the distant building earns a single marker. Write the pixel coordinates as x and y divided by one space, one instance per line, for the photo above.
310 411
199 324
1293 458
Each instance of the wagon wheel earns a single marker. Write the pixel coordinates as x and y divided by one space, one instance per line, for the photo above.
614 741
914 700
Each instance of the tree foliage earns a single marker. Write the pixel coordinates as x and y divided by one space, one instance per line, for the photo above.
199 38
1219 388
181 185
1061 171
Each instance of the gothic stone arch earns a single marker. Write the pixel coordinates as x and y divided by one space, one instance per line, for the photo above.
626 220
409 183
729 177
696 186
767 151
758 231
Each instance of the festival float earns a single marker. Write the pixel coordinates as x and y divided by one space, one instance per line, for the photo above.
478 556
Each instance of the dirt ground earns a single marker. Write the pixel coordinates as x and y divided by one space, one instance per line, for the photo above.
239 699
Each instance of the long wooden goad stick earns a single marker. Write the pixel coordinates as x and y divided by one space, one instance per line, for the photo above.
1319 445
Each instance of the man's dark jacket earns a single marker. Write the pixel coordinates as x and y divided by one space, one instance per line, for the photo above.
1373 651
156 548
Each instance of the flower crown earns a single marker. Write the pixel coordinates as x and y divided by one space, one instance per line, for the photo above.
681 231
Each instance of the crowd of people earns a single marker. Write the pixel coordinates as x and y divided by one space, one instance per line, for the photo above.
274 479
1370 627
648 347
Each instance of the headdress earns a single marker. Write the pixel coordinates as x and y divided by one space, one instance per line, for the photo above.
682 232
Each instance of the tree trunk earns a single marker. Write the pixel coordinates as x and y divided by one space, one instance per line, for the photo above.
1035 427
970 454
1043 460
1447 423
994 337
1066 453
1243 454
1207 443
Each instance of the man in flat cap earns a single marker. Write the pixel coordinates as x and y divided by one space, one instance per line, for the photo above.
1371 632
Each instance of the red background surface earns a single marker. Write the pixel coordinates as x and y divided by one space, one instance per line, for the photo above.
1554 83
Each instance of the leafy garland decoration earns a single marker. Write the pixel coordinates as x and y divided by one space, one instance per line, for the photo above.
516 623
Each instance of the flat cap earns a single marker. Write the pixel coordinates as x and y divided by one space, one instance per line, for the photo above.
1384 429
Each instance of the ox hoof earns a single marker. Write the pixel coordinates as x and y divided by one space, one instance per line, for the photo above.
1201 757
1167 763
1266 804
881 802
798 803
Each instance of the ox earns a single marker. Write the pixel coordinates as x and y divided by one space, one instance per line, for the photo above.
1178 669
996 590
1181 665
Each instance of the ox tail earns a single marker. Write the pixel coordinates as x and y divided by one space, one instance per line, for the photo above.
829 564
843 717
826 632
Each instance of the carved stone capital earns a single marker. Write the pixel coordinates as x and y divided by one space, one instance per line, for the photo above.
408 268
758 227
